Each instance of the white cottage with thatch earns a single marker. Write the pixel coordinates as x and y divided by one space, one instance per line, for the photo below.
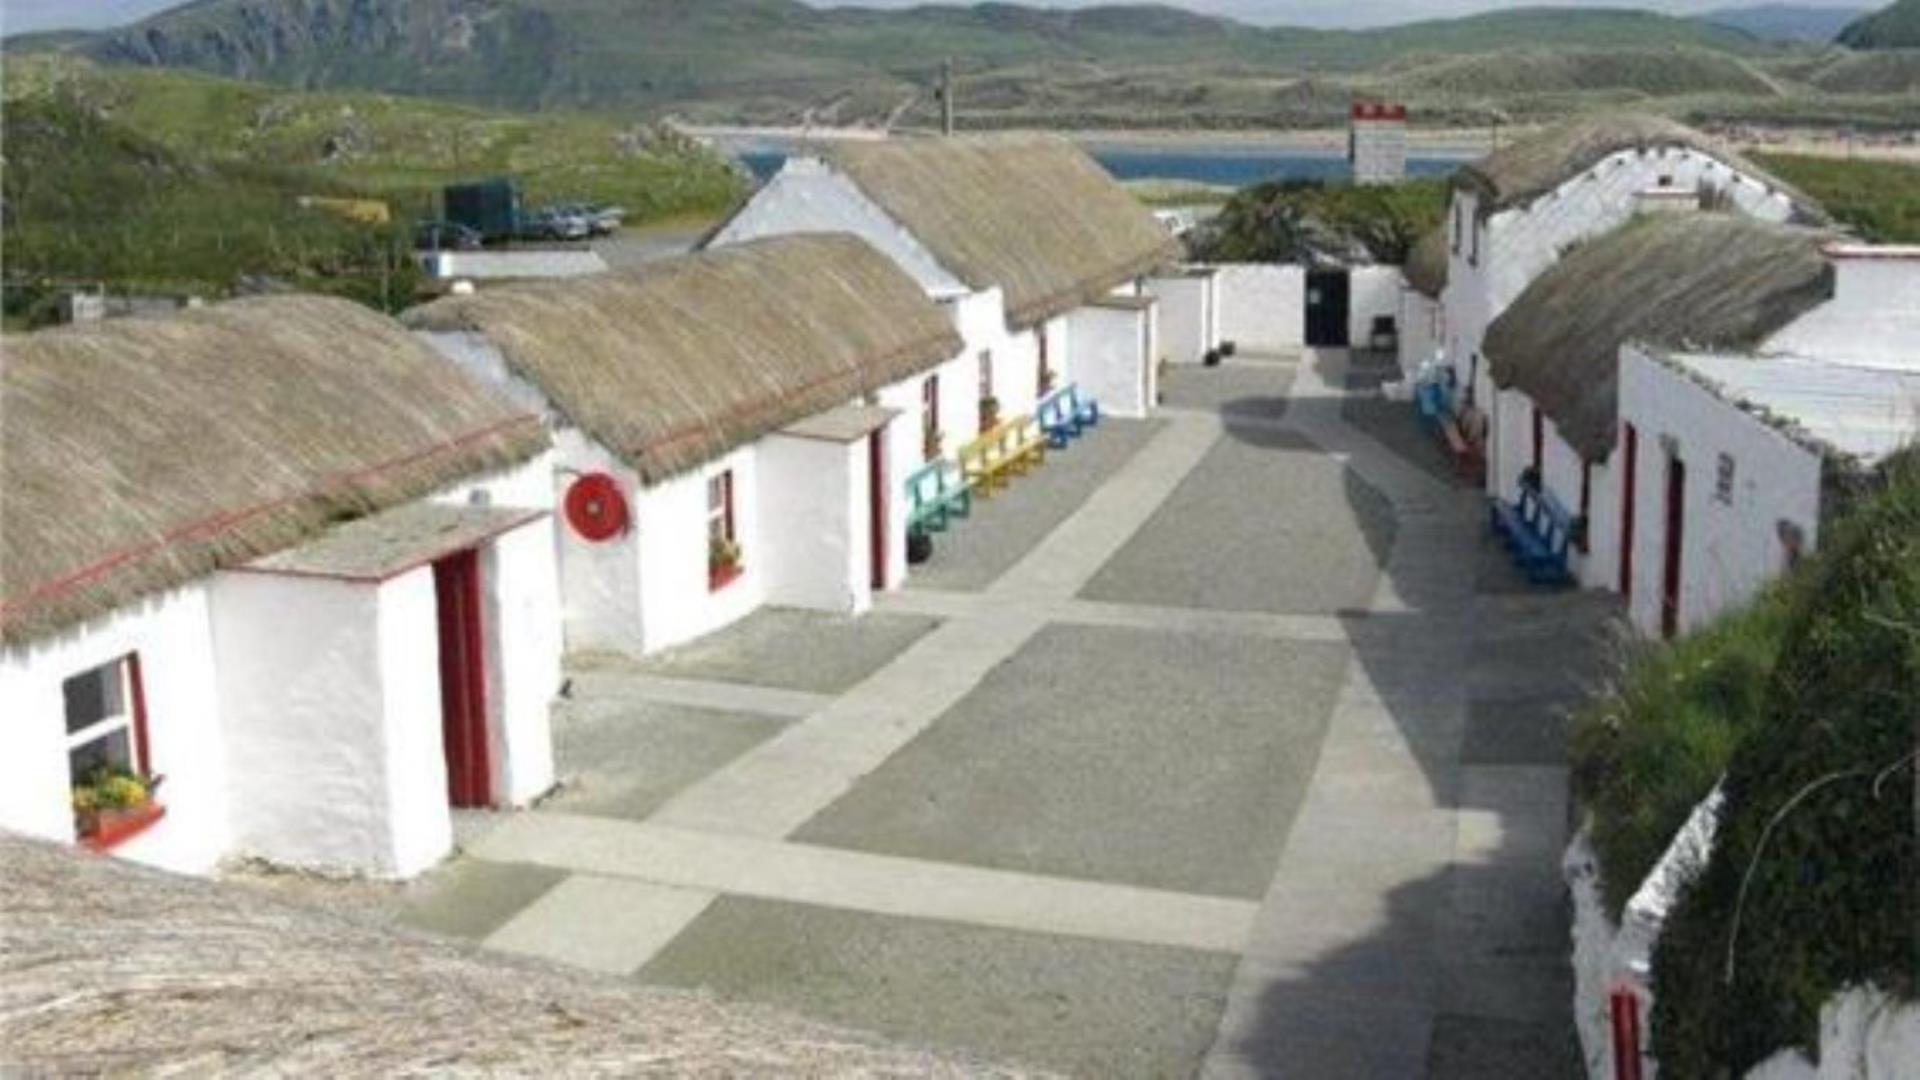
733 427
1695 399
1518 211
278 553
1025 238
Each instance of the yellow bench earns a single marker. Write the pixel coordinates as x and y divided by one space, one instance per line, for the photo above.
1010 447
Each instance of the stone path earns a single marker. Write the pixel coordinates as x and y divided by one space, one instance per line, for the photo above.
1125 805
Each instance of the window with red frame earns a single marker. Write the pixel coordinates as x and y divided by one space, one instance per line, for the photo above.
1043 372
986 374
723 545
930 417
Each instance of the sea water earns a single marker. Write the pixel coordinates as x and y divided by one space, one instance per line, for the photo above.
1236 167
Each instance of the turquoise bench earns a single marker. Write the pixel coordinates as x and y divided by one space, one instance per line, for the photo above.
1086 411
936 492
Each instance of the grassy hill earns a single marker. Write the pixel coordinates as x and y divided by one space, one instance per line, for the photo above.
177 181
392 147
1784 22
1896 26
782 60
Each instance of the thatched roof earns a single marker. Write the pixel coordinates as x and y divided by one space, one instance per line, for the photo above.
1697 281
1032 214
114 968
675 364
1426 265
139 454
1521 172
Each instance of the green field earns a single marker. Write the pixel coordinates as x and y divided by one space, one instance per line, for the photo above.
1880 200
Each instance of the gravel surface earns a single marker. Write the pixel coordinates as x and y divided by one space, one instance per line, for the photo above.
1175 761
620 756
792 649
975 550
1250 389
1266 522
1088 1008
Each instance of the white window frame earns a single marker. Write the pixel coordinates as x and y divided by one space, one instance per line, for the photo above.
126 719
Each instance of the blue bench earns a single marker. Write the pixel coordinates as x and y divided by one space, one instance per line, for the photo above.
1537 531
1086 411
936 492
1055 415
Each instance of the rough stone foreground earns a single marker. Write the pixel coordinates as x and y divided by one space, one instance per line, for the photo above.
1226 747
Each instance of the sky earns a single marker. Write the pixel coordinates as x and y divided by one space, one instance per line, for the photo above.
22 16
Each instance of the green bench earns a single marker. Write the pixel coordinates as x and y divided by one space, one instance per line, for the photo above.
936 492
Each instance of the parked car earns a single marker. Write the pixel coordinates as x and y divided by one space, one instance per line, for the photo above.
553 223
445 236
602 220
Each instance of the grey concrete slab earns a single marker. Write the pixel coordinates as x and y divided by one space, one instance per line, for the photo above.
1095 1009
799 650
1265 523
1233 389
619 756
472 897
609 925
1485 1048
975 550
1526 730
1173 761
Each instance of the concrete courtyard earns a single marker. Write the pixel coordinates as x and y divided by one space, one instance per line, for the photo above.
1222 745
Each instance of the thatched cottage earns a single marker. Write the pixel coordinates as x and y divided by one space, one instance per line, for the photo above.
733 427
280 554
1519 210
1694 388
1024 237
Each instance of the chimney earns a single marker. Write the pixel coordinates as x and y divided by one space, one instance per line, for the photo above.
1377 142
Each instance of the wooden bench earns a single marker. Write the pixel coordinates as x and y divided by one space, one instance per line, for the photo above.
936 492
1010 447
1055 415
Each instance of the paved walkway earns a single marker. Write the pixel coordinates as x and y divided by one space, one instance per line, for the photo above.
1264 830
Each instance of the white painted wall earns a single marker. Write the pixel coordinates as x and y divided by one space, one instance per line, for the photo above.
1730 549
1423 325
980 319
172 633
524 643
1111 347
1873 319
817 491
808 196
309 719
513 265
1189 326
671 548
1262 306
1371 291
1864 1035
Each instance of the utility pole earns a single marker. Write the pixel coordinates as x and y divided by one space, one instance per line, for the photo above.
946 96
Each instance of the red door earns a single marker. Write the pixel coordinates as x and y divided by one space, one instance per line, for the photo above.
877 506
1629 469
1670 574
463 680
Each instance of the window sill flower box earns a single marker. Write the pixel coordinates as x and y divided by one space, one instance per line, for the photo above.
104 830
719 577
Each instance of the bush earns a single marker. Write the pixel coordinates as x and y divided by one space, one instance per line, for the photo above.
1291 220
1644 755
1819 812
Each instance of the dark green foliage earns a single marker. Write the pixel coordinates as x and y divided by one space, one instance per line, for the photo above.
1896 26
1833 898
1645 754
1290 221
1880 200
91 202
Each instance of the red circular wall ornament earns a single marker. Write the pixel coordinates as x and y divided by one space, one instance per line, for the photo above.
595 507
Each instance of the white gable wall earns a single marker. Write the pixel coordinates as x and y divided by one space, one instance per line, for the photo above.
809 196
1730 549
1111 347
172 634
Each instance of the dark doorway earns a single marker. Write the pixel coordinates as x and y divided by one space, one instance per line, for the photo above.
877 506
1629 470
1327 307
463 679
1676 521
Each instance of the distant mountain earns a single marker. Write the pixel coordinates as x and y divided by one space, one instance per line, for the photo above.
1896 26
774 57
1785 22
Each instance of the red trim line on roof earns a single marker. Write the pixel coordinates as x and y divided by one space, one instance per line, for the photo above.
221 522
